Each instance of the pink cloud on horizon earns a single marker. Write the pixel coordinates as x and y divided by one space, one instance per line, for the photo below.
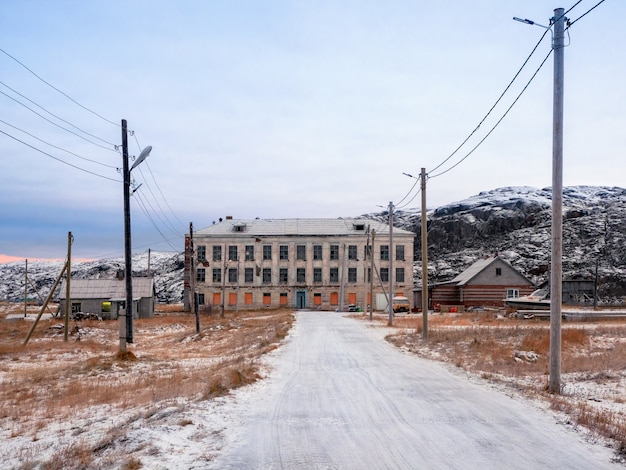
10 259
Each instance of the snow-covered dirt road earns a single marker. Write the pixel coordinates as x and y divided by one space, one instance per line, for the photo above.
340 397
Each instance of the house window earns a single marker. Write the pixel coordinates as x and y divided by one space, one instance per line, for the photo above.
232 252
201 275
267 275
249 252
334 298
267 252
232 298
498 271
217 298
283 252
232 274
301 275
217 253
317 299
202 253
384 252
351 251
105 307
200 299
512 293
267 298
334 252
400 252
283 298
217 275
351 274
248 275
317 275
283 276
334 274
317 252
301 252
247 298
399 274
384 274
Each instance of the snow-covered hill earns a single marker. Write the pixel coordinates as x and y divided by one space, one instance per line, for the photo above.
514 222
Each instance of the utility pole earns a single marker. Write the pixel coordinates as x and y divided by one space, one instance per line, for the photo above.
341 281
26 287
371 253
390 298
192 278
556 274
68 276
424 258
127 243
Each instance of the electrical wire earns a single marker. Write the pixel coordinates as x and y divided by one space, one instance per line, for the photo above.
499 121
58 159
571 23
57 147
61 92
145 211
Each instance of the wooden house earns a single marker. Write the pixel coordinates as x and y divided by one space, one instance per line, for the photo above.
106 297
487 282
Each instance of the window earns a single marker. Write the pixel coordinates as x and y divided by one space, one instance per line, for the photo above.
232 274
201 275
267 275
249 252
283 298
351 274
498 271
232 298
317 299
334 274
317 252
232 252
384 252
369 274
217 275
334 298
283 252
217 253
267 298
367 252
301 275
105 307
384 274
283 276
301 252
247 298
400 252
317 275
512 293
399 274
200 299
267 252
334 252
217 298
351 251
239 228
202 253
248 275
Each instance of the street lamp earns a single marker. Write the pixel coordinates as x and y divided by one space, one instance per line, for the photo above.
126 327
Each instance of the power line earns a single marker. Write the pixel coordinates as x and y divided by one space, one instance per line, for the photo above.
57 147
145 211
61 92
58 159
571 23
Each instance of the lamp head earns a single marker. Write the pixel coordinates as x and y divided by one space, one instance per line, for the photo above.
142 156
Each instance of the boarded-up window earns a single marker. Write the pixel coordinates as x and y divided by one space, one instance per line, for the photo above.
352 298
369 299
248 298
232 298
317 299
217 298
283 298
267 298
334 298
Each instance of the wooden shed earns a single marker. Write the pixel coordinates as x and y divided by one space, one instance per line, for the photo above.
487 282
106 297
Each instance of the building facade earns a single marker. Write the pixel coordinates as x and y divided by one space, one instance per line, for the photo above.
323 264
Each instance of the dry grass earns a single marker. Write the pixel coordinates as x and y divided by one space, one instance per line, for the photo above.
516 353
50 380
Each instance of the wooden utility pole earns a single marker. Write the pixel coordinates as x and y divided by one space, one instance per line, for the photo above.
556 273
424 258
192 278
68 277
25 288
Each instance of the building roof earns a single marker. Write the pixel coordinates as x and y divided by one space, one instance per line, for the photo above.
290 227
107 288
478 267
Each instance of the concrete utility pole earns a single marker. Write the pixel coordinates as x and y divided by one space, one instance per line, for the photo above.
424 258
342 278
128 279
192 278
390 298
371 253
556 274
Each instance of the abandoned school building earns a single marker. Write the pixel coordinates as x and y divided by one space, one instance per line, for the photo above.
487 282
106 297
303 263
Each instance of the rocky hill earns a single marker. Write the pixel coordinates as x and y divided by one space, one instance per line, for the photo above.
514 222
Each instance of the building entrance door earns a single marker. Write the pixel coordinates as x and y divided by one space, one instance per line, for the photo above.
301 299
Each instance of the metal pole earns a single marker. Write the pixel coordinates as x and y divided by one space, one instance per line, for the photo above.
390 298
127 243
556 275
424 258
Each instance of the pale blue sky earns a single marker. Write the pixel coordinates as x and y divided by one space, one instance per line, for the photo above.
288 109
